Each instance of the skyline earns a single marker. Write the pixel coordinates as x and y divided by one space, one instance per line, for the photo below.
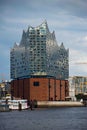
66 17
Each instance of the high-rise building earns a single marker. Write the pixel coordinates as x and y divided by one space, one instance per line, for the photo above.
38 54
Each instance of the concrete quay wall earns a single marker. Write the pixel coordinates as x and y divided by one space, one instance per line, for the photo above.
59 104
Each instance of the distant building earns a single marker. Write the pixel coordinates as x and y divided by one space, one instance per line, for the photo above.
77 85
72 88
5 88
39 67
39 54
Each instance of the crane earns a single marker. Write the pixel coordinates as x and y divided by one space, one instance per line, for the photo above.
81 63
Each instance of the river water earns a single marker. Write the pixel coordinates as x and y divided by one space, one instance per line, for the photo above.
69 118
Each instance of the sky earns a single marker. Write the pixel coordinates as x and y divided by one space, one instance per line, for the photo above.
68 18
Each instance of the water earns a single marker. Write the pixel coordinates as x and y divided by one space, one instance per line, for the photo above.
70 118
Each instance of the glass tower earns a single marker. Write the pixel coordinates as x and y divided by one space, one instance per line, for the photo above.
38 54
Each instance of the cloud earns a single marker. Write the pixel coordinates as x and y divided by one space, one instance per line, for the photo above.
4 62
73 7
77 57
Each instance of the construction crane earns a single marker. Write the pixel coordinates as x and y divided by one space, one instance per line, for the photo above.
81 63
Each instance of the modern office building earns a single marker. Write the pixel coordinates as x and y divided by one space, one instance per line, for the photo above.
77 85
39 66
39 54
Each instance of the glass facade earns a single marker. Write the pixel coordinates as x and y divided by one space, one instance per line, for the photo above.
39 54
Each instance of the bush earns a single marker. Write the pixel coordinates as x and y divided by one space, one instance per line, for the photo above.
81 96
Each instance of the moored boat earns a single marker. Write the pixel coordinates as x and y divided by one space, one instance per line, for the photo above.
16 104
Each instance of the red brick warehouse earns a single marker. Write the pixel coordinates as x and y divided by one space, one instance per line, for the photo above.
40 88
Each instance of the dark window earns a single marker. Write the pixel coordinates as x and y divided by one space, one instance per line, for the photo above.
35 83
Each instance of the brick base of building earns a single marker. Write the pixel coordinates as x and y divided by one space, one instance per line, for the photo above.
40 89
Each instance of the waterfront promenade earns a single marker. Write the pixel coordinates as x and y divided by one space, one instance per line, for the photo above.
61 118
60 104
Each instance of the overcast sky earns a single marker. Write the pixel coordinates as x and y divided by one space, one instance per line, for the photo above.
68 18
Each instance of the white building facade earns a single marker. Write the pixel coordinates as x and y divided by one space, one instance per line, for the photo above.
39 54
77 85
72 88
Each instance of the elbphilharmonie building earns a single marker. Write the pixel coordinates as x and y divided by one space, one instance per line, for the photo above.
38 54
